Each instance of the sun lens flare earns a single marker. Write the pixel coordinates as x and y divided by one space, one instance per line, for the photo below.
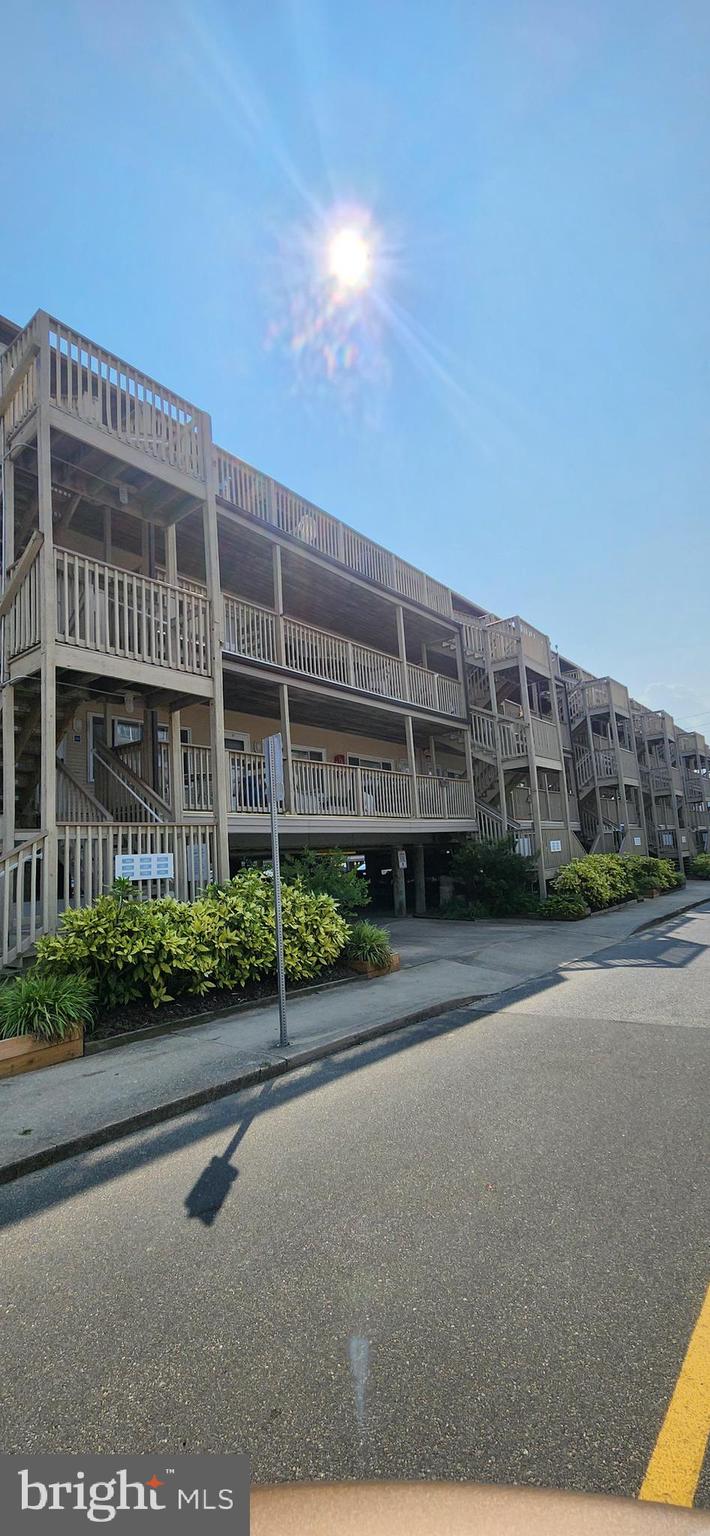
349 258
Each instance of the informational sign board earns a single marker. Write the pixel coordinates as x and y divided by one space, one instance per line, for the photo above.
274 744
144 866
402 858
637 842
555 845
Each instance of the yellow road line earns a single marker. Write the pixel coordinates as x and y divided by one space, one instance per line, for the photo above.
676 1463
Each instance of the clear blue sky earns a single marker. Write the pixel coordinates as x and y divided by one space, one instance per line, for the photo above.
530 374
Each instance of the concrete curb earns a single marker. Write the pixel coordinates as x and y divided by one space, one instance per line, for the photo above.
279 1066
247 1078
700 901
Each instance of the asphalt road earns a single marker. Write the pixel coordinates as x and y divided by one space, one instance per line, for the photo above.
473 1250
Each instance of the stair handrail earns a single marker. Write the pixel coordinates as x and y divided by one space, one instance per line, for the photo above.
141 793
32 852
98 811
148 789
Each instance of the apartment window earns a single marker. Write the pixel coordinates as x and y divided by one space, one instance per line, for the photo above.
126 730
185 734
237 742
370 762
309 754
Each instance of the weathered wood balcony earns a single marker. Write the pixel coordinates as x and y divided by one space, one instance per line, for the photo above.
336 790
259 634
249 491
131 617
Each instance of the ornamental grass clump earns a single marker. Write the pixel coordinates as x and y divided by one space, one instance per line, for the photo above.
50 1007
370 945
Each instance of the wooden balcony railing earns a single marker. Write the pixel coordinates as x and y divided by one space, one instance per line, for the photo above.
601 764
249 490
21 897
107 393
252 632
18 378
20 604
545 739
87 853
338 790
120 613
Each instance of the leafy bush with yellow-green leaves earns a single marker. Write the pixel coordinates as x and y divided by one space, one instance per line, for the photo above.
603 879
162 949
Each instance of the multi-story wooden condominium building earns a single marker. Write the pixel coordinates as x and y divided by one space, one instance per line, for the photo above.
165 607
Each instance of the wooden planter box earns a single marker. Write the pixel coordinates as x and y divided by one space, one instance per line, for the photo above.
365 969
27 1054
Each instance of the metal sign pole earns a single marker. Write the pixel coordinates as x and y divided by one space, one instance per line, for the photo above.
274 785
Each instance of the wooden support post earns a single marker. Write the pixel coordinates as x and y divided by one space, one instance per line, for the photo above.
402 647
48 597
8 767
419 881
595 781
493 695
532 769
277 573
432 753
288 758
399 888
558 726
175 750
673 798
220 785
468 755
8 513
171 570
412 761
621 798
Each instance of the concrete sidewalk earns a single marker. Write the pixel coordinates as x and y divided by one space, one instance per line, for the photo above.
55 1113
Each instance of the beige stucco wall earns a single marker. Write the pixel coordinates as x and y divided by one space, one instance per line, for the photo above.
256 727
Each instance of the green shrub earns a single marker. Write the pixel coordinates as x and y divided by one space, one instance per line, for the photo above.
48 1006
699 867
601 879
649 874
564 906
160 949
326 873
494 876
370 944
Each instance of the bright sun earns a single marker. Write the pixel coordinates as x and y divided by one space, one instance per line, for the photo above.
349 258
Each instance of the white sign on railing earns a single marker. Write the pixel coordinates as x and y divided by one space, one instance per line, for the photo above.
143 866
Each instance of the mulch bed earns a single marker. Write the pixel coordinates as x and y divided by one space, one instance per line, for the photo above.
130 1016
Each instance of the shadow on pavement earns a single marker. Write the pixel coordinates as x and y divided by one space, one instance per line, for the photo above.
66 1180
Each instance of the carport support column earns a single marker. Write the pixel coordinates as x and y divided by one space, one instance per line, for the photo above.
220 777
285 721
419 881
398 886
